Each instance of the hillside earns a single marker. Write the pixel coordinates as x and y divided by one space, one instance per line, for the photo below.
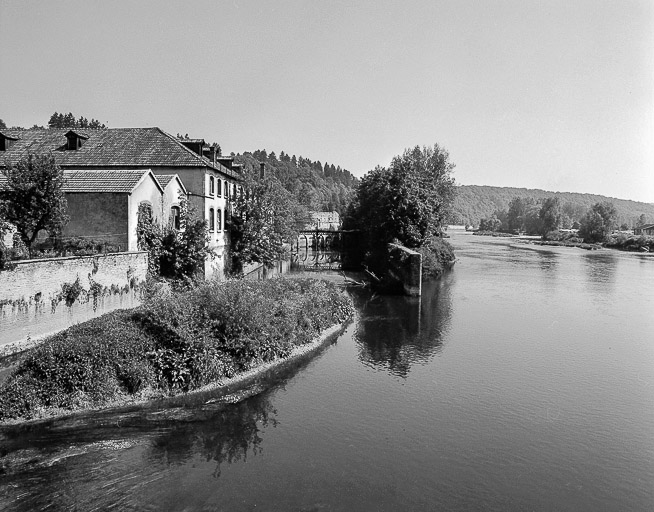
474 202
318 187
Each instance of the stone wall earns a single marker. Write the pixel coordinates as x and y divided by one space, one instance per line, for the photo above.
34 303
405 265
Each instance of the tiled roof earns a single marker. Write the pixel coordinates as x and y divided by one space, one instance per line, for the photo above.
164 179
116 181
109 148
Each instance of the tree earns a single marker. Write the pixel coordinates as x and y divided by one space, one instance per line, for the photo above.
408 202
599 222
3 126
264 216
642 220
550 215
491 224
516 214
177 254
33 199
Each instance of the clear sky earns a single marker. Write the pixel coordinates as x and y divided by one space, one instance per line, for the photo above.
551 94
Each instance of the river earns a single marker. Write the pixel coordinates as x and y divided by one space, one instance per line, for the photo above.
521 380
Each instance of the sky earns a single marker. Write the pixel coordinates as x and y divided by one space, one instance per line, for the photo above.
549 94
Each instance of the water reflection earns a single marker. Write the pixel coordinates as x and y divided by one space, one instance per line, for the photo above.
226 436
315 260
58 463
547 261
600 267
395 332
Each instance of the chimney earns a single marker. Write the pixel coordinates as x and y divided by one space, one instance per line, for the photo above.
262 170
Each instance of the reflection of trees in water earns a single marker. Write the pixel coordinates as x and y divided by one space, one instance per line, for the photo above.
600 267
81 452
397 332
227 435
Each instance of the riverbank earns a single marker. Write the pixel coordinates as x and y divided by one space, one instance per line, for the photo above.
174 344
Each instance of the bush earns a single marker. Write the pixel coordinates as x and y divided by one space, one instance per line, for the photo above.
437 256
641 243
174 342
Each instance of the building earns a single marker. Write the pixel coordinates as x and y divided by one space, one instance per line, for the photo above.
206 178
104 204
647 229
324 220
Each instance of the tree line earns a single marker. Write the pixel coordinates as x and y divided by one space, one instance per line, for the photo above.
474 203
316 186
61 120
546 217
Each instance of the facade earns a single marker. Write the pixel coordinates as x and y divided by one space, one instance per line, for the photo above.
104 205
206 178
324 220
647 229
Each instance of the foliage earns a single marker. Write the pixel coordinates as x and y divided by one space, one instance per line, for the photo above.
264 216
516 214
641 243
550 215
173 342
58 120
437 256
315 186
85 364
408 202
177 254
492 224
473 203
32 198
599 222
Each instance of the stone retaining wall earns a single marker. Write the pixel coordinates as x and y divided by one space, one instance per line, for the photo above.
405 265
34 302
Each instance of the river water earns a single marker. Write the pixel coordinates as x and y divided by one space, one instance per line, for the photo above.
522 380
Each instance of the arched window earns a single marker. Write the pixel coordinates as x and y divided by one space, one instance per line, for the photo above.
219 219
212 185
227 189
175 217
212 220
240 192
220 188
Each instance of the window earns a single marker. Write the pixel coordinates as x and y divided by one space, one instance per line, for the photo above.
220 188
227 189
212 220
175 219
234 191
212 185
219 220
240 192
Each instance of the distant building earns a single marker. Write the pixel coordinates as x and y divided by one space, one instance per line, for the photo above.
207 179
324 220
647 229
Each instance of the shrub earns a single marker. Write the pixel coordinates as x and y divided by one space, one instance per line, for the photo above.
437 256
174 342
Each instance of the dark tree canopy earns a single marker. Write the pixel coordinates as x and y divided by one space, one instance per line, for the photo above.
58 120
408 201
264 217
32 197
550 215
599 222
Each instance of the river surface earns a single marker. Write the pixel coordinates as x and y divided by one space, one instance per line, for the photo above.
522 380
